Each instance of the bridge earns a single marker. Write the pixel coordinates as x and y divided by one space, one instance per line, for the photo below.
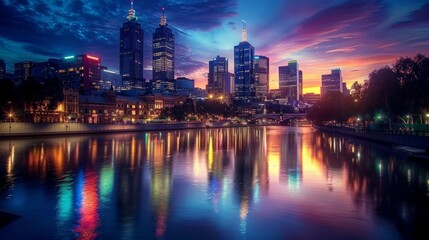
279 116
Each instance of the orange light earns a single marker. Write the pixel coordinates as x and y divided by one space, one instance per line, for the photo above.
91 57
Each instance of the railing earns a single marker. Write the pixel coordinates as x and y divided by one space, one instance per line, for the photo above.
397 129
417 139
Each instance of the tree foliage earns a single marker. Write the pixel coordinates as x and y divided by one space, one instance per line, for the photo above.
391 92
334 106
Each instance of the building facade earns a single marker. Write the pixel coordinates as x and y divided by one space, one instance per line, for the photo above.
332 82
163 56
22 71
262 75
218 76
81 72
131 51
244 54
109 79
46 70
289 81
183 83
311 98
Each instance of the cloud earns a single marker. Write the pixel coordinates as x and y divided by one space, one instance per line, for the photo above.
202 15
185 64
415 18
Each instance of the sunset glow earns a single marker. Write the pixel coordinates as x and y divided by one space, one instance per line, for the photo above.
356 36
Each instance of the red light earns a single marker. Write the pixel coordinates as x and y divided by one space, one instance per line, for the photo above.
91 57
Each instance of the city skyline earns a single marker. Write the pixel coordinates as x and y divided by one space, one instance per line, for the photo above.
356 36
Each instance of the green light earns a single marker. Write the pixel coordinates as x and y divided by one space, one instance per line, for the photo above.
68 57
106 182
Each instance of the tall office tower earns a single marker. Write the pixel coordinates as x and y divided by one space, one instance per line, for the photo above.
244 54
262 74
300 86
80 72
289 81
163 56
218 74
2 69
22 71
131 50
332 82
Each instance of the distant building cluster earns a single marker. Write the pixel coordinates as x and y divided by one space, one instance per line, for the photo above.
96 94
333 83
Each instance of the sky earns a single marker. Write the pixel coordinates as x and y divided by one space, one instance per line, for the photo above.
357 36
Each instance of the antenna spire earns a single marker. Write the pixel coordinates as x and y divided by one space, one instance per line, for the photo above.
244 32
163 18
132 12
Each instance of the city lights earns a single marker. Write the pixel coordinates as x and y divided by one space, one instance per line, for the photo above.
93 58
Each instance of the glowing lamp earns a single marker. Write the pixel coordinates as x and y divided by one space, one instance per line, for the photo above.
69 57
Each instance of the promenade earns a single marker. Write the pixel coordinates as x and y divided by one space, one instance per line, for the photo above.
388 137
18 129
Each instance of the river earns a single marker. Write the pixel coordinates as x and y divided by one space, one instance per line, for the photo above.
229 183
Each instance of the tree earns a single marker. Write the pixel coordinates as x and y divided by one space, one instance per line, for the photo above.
333 106
9 99
53 90
381 97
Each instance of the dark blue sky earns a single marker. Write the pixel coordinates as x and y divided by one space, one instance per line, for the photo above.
358 35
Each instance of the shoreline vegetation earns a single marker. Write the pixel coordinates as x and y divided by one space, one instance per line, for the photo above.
394 98
391 106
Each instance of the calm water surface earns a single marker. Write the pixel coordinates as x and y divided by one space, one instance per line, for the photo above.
237 183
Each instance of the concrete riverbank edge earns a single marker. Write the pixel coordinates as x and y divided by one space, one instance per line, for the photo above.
18 130
421 142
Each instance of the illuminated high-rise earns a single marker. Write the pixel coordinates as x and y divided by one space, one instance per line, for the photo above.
289 81
262 73
332 82
163 55
218 76
80 72
131 50
244 54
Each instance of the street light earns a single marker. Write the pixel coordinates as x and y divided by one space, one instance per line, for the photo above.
427 122
10 121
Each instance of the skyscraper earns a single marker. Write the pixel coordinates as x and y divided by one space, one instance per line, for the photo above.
289 81
332 82
262 73
300 86
244 54
163 55
218 74
131 50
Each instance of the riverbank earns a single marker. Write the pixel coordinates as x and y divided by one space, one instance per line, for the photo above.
421 142
18 130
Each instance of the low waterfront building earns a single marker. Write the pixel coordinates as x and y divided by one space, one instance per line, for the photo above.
311 98
97 109
41 112
130 109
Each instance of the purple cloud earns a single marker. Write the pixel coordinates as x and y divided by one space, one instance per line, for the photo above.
415 18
